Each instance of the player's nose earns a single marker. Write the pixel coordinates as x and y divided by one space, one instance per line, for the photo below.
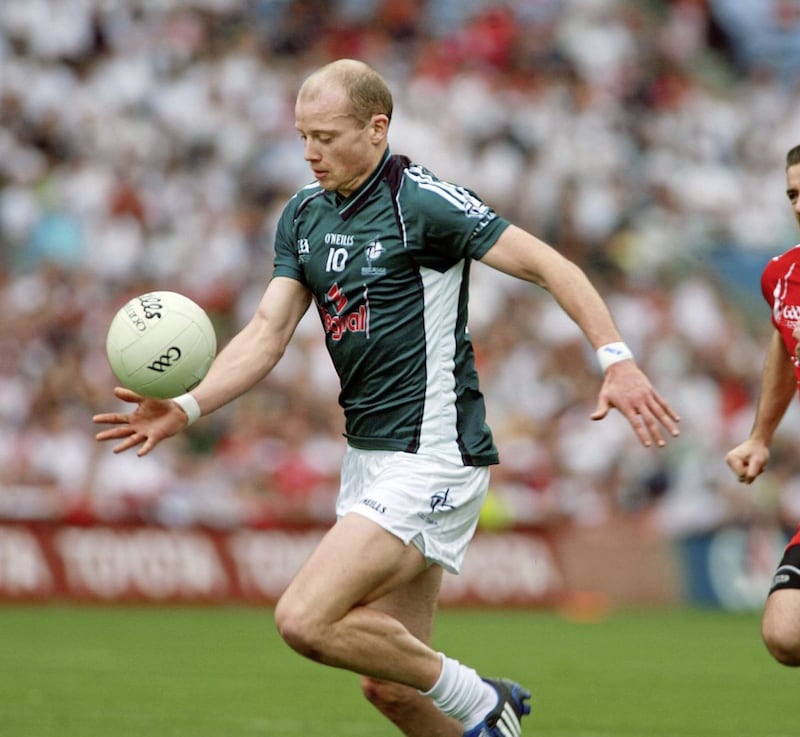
309 151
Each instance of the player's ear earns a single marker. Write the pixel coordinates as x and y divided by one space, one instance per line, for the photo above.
379 127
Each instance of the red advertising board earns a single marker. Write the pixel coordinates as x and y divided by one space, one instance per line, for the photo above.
139 563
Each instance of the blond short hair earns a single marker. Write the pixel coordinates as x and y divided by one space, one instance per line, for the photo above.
366 90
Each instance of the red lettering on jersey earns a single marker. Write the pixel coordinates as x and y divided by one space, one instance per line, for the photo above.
338 298
337 325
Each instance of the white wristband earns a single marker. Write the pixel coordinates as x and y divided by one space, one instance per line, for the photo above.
612 353
190 406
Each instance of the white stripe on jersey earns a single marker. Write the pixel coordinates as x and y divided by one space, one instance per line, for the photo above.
454 194
439 419
779 293
400 214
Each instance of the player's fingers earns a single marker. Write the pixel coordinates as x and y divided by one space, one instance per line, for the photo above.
646 427
744 469
664 406
752 470
665 416
735 463
148 445
114 433
601 410
127 395
132 441
111 418
741 475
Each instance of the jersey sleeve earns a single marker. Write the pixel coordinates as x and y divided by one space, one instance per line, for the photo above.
454 221
286 262
768 280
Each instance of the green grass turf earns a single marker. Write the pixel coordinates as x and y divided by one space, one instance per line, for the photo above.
223 672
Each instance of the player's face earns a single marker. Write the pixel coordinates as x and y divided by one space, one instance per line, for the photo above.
341 150
793 189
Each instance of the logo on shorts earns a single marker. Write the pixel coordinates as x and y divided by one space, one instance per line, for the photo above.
372 504
440 501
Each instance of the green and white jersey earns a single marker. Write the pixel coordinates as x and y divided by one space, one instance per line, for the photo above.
389 271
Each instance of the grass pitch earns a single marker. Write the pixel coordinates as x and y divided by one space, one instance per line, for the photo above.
223 672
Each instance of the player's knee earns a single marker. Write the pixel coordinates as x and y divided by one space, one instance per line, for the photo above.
298 629
391 699
783 643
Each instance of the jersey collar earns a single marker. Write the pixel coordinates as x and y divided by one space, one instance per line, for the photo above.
349 206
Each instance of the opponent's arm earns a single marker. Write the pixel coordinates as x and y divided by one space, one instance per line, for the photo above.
246 359
778 387
625 386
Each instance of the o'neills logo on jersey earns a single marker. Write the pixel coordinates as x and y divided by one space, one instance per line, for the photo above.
338 239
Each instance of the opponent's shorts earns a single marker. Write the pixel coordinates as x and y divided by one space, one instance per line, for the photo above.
787 574
423 501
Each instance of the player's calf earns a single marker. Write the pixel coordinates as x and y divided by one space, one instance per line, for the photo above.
412 713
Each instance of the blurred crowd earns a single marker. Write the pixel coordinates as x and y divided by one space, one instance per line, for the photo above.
149 144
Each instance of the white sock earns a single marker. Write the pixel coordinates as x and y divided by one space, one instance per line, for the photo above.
461 693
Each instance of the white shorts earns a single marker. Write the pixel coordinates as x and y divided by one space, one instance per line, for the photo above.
424 501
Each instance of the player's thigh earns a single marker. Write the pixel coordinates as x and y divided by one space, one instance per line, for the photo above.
415 603
356 562
781 619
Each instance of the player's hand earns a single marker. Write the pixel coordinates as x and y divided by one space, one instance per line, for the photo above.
627 389
748 460
148 424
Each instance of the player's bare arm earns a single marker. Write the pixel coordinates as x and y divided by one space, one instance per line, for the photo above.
253 352
248 358
778 386
625 386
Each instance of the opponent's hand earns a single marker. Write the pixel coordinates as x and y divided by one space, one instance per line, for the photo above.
147 425
627 389
748 460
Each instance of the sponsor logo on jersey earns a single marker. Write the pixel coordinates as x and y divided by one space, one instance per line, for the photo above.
786 316
790 314
354 321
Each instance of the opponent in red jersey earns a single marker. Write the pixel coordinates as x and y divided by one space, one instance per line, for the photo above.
780 285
